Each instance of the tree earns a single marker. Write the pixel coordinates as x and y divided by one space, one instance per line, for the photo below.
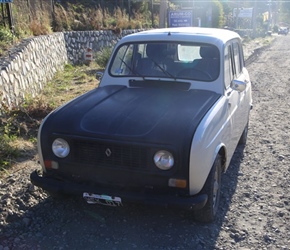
218 20
284 11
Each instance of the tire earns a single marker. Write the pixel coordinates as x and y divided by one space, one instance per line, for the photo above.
243 138
212 188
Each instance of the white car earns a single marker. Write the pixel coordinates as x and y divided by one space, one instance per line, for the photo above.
171 108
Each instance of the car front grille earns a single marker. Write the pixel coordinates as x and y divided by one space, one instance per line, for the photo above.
110 155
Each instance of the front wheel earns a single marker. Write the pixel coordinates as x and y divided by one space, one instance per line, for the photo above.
212 188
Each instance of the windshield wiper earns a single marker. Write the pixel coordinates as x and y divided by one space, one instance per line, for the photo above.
132 70
163 70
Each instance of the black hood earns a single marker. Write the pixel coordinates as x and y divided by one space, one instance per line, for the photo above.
152 115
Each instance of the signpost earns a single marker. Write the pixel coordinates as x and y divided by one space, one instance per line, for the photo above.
162 13
7 13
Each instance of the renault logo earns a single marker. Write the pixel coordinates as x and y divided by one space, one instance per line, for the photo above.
108 152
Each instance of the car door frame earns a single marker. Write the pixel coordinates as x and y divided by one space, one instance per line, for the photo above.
237 113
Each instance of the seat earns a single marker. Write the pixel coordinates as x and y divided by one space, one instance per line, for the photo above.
209 62
144 66
155 61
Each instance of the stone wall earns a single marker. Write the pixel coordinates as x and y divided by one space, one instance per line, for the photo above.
31 64
77 43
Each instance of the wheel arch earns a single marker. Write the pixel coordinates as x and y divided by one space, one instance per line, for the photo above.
222 151
198 174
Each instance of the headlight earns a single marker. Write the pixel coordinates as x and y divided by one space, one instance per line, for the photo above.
164 160
60 148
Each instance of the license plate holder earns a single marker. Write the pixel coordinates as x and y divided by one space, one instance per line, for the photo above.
105 200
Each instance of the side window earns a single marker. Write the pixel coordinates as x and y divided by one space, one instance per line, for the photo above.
229 66
238 58
242 56
122 61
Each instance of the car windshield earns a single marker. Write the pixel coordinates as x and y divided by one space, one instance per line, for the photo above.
200 62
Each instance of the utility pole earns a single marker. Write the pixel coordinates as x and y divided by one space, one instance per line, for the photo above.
152 14
129 9
162 13
29 10
7 14
270 16
254 17
237 17
52 6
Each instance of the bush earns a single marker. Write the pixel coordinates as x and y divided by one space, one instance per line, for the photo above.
7 152
103 56
5 35
8 129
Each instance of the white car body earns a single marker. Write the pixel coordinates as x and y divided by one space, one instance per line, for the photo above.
222 127
164 123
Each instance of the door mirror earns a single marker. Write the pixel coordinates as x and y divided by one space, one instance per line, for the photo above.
99 75
239 85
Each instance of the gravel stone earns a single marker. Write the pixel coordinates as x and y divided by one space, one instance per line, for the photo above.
254 211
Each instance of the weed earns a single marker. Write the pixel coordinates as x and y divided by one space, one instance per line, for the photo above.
18 128
6 39
6 35
103 56
8 132
7 152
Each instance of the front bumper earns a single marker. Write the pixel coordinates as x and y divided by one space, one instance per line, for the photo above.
53 185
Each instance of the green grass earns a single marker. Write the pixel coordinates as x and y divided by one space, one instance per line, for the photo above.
18 128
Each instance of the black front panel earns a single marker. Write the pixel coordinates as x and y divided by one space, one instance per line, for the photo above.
110 155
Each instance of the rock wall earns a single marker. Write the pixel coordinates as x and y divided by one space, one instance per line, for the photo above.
32 63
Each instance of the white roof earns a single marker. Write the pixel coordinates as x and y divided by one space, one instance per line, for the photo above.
190 34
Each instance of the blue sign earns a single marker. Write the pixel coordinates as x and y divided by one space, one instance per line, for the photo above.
6 1
180 18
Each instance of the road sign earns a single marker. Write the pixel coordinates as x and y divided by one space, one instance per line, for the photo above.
243 12
180 18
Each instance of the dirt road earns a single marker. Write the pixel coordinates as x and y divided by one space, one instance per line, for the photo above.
254 211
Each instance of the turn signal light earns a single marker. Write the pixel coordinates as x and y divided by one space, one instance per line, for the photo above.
50 164
179 183
47 164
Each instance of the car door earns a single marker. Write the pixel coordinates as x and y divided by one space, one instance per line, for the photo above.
244 96
233 69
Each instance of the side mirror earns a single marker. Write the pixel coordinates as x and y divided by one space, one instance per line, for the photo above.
238 85
99 75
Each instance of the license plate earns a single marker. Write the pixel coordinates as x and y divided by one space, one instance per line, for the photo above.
103 200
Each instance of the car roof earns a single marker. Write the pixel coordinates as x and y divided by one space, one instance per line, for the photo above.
190 34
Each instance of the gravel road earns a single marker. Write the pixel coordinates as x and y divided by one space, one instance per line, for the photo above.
254 211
